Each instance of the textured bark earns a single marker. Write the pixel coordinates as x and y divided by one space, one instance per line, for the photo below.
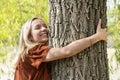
71 20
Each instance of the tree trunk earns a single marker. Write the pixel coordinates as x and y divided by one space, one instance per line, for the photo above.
71 20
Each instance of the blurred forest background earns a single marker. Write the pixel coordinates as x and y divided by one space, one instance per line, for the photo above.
13 13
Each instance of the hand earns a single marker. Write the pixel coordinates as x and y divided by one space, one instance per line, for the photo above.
102 33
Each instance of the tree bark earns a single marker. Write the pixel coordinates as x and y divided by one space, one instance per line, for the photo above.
71 20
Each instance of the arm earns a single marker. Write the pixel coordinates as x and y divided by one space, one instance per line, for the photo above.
77 46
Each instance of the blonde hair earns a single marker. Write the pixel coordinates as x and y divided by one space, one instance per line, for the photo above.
24 42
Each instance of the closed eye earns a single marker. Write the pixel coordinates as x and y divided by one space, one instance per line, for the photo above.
37 27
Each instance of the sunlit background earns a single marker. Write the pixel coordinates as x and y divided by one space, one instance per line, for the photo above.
113 15
13 13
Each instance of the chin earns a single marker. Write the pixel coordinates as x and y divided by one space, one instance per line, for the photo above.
44 41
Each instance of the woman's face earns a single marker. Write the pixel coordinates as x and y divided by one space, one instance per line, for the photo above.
39 31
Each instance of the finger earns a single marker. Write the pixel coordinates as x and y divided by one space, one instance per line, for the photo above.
105 29
99 24
106 40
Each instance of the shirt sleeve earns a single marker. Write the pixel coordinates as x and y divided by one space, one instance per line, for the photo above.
37 55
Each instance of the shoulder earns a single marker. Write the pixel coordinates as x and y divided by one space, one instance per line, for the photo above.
39 48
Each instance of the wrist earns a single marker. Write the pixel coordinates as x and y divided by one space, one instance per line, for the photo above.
90 40
94 38
97 35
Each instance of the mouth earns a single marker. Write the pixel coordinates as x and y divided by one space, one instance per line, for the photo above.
44 34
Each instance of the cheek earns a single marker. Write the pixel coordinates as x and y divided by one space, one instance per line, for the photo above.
34 35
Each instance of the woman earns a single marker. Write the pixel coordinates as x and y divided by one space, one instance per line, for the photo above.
34 53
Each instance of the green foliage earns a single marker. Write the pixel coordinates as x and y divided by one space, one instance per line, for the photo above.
114 26
13 13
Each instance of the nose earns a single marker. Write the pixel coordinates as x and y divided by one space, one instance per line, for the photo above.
43 28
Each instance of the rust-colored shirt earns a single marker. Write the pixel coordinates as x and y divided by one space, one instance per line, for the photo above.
33 67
